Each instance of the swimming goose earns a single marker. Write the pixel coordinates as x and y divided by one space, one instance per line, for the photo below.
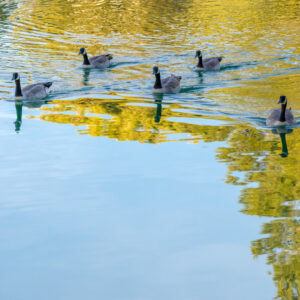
32 91
98 61
281 116
208 64
170 84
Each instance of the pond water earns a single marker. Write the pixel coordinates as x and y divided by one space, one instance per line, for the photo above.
109 191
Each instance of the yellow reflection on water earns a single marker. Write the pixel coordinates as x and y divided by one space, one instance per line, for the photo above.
269 161
130 119
282 247
227 24
272 163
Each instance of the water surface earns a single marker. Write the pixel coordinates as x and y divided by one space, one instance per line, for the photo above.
110 191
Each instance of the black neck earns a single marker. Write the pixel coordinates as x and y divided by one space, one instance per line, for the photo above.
157 84
200 64
18 92
282 114
86 60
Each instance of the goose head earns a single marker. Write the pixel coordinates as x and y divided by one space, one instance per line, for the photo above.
282 100
82 51
198 53
15 76
155 70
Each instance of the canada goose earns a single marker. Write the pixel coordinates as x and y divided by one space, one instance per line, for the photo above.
208 64
170 84
32 91
281 116
98 61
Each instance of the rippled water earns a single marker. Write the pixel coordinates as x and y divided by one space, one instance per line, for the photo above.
110 191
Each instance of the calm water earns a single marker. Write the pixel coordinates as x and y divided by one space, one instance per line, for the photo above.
111 192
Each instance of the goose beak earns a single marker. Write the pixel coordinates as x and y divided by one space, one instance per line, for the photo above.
282 99
79 53
198 53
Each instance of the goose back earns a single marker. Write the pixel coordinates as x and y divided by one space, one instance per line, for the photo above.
170 84
212 63
209 63
274 118
36 91
100 61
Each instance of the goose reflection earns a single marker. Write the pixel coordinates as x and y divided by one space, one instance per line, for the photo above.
86 76
158 98
282 133
19 110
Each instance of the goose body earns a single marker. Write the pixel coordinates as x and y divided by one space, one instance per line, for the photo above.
281 116
32 91
170 84
208 64
98 61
